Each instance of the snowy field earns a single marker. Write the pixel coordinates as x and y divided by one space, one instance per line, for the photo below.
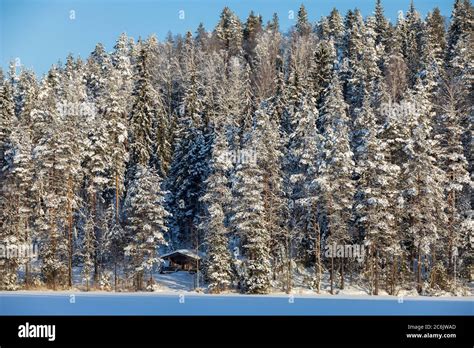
187 303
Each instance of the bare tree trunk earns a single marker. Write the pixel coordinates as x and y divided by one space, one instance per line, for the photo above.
53 246
332 275
452 203
342 273
27 275
387 273
376 271
117 199
115 276
94 219
288 276
139 281
27 264
392 283
420 286
268 206
369 269
318 258
69 210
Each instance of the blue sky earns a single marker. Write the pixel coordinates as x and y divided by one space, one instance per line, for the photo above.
41 32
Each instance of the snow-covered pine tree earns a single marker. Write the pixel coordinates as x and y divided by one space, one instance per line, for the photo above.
121 61
96 167
248 222
271 162
411 45
303 26
375 196
423 182
335 165
274 23
7 115
435 35
298 78
229 33
382 30
28 90
322 28
188 168
371 54
163 114
71 148
97 67
114 114
237 102
113 153
301 164
217 198
267 56
88 251
202 36
20 181
452 160
252 29
170 84
352 71
8 224
460 25
322 68
51 184
365 79
362 85
460 67
143 113
336 25
146 222
20 169
15 176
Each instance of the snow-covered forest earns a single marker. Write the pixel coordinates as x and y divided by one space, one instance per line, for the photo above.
253 147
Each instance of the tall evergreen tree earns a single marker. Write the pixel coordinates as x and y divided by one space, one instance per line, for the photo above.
335 169
143 113
229 32
248 222
217 199
146 222
303 26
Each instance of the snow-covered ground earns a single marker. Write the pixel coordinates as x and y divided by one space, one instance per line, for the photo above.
185 282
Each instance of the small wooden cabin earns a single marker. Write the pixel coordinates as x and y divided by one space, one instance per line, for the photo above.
181 260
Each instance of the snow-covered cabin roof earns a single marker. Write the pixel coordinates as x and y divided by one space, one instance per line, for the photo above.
185 252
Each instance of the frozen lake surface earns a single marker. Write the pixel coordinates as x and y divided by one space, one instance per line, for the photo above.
185 303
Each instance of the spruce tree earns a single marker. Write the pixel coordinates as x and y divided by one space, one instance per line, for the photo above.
146 222
303 26
248 222
335 169
217 198
143 113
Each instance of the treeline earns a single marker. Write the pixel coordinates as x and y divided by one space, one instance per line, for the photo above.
256 147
